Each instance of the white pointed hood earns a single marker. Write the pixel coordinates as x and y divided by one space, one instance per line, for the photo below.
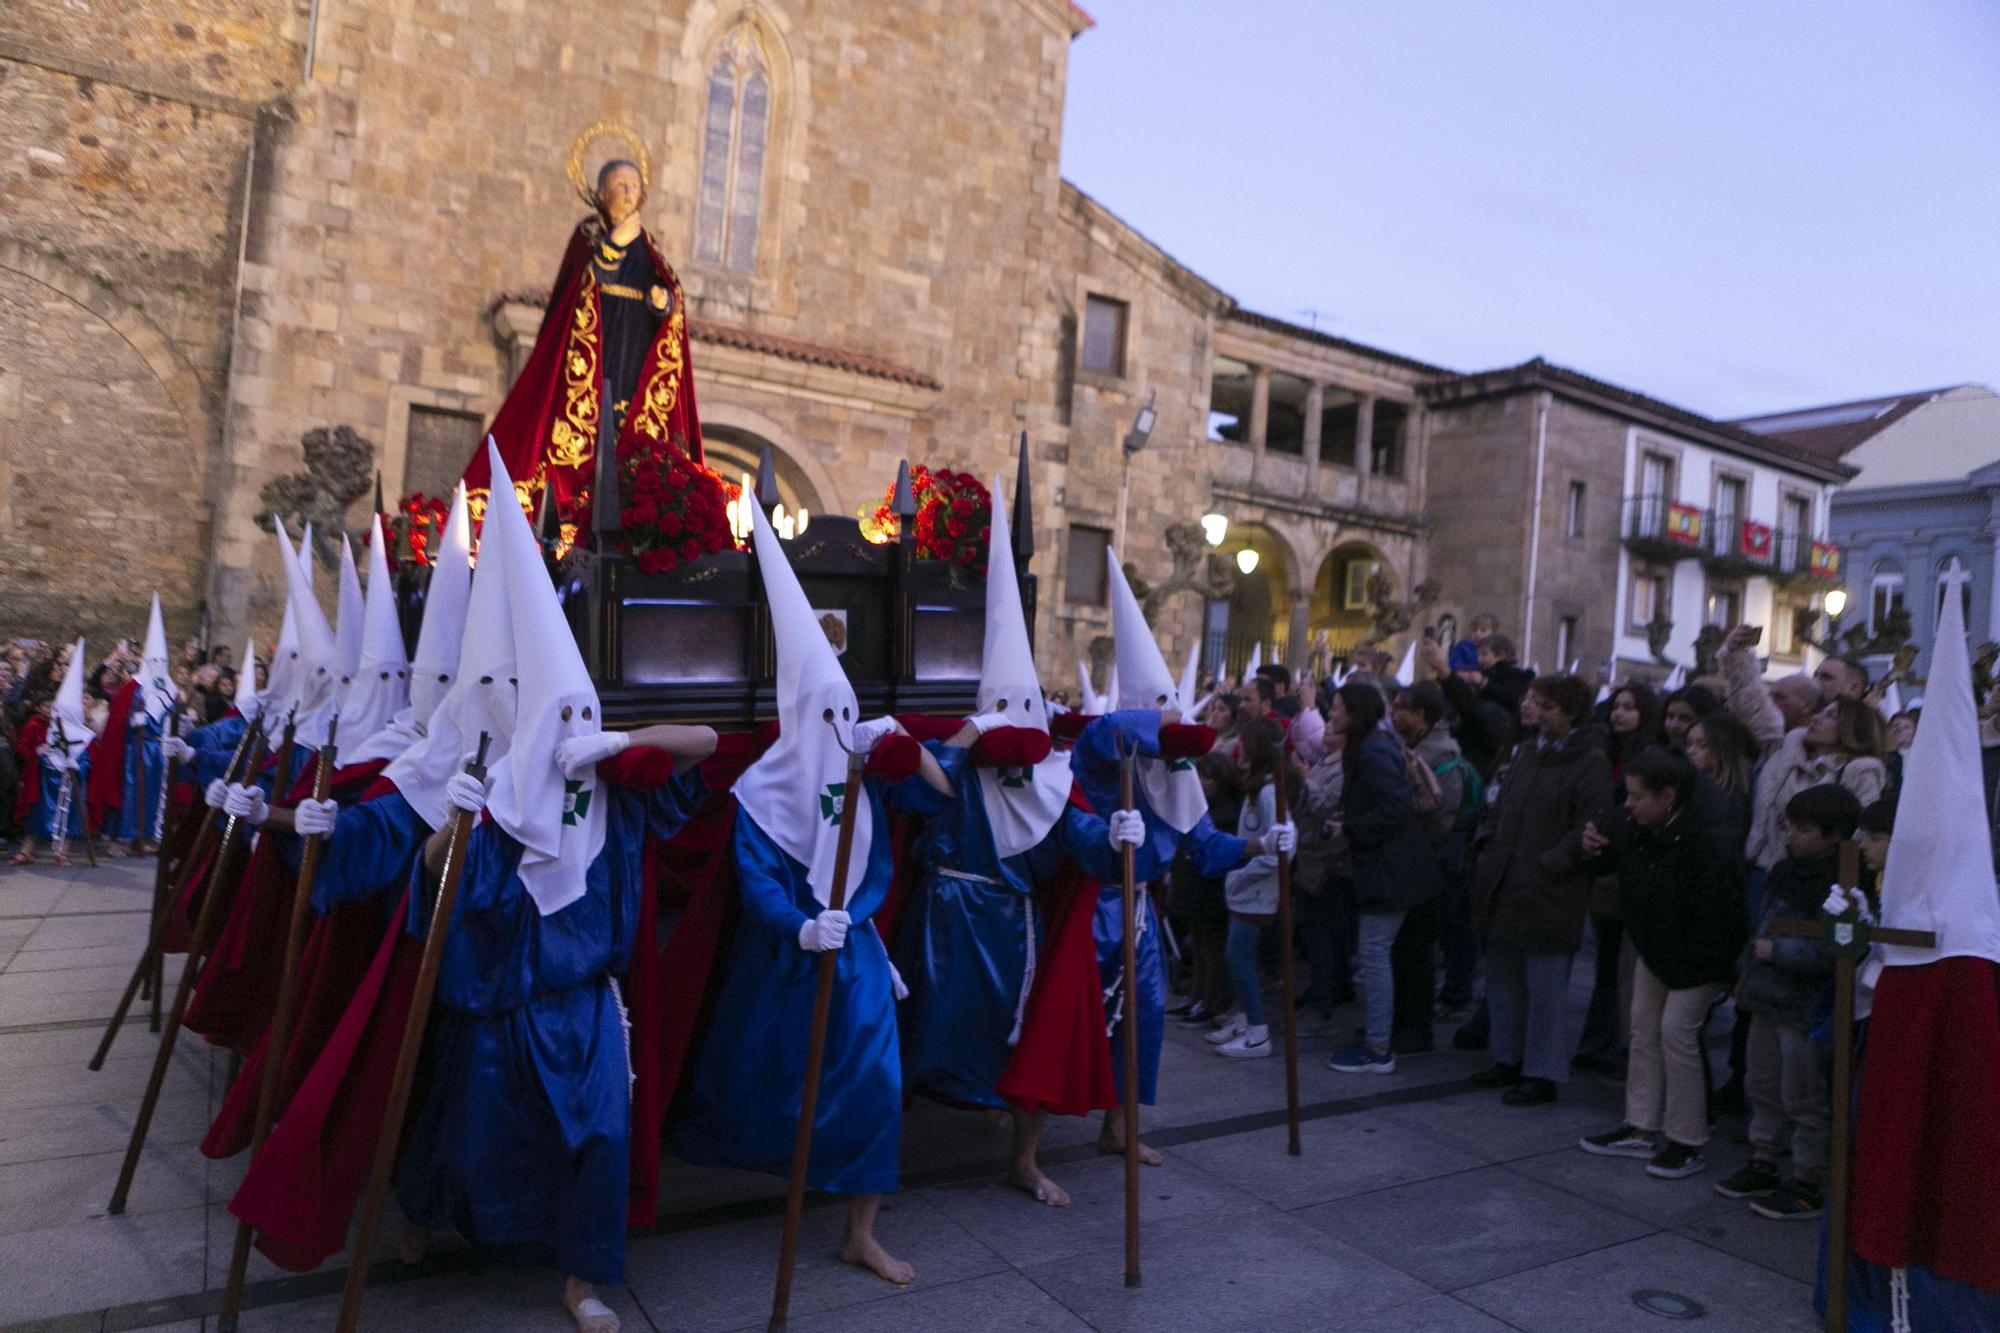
1256 660
1142 682
1406 672
559 822
481 698
1892 702
156 682
1939 876
314 696
69 732
1022 805
281 684
1088 702
796 789
1190 672
350 618
435 666
381 686
246 679
1676 679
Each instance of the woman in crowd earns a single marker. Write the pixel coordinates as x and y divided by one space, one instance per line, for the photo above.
1532 888
1684 708
1394 870
1323 877
1251 890
1196 902
1632 727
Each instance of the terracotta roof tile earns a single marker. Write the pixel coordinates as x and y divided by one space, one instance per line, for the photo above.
1834 430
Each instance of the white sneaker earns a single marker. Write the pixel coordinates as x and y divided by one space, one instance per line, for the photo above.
1254 1044
1231 1027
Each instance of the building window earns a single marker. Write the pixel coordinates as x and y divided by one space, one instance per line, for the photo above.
1566 637
731 187
1885 594
1795 534
1785 628
1573 513
1946 566
437 448
1339 419
1285 414
1649 598
1354 584
1083 569
1656 492
1385 450
1725 534
1229 388
1104 321
1723 607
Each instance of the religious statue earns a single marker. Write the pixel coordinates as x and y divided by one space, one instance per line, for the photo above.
609 381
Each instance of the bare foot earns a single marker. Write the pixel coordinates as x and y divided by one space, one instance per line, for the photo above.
1031 1179
867 1252
591 1314
414 1244
1112 1144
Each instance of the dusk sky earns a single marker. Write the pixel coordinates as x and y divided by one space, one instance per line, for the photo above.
1736 206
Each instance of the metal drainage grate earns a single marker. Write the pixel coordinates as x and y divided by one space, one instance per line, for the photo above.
1668 1304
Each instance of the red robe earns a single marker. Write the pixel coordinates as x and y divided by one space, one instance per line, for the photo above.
27 745
105 791
1926 1189
547 430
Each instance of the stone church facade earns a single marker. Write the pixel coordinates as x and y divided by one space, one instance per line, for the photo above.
224 223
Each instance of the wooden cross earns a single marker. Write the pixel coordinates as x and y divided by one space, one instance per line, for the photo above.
1847 937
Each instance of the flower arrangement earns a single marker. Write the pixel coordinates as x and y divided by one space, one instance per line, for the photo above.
954 514
675 509
413 529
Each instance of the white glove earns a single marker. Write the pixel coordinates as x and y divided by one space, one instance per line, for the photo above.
310 817
1858 900
176 749
986 722
215 794
465 792
869 734
1128 828
1283 838
247 803
579 754
1836 902
824 932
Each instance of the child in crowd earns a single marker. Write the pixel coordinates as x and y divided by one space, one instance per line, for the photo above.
1252 890
1683 911
1782 975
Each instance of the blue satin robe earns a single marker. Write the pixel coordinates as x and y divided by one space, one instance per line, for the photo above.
42 814
142 747
369 853
1094 760
743 1102
963 945
523 1138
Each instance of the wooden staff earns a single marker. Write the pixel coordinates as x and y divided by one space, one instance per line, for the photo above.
137 744
1279 781
208 922
150 962
281 1018
1129 1002
391 1135
829 960
1847 937
157 975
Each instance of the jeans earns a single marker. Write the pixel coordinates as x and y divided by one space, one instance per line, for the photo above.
1604 1022
1326 920
1413 964
1665 1082
1527 995
1243 936
1456 937
1377 937
1785 1082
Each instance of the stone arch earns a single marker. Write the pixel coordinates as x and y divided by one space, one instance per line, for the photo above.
1260 608
731 436
1333 610
105 435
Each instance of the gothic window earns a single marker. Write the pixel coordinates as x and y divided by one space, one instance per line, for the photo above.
732 153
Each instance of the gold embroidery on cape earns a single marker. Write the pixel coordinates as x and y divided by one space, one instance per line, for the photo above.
475 502
620 289
657 397
573 437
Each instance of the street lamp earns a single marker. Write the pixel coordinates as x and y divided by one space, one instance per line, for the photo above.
1135 440
1214 527
1835 602
1246 560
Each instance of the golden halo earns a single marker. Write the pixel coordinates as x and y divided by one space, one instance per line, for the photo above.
611 129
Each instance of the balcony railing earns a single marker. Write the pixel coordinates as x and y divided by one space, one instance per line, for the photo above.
1658 527
1725 541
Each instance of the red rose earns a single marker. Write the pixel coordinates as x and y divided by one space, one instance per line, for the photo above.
961 506
690 548
671 525
677 477
712 540
955 526
985 534
968 555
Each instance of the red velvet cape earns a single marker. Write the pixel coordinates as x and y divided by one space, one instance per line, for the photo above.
547 428
106 789
1926 1189
27 745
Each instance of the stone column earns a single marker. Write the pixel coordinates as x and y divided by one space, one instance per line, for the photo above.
1260 418
1315 404
1416 449
1364 445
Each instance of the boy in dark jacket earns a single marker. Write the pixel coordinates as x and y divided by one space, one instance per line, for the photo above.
1782 975
1684 913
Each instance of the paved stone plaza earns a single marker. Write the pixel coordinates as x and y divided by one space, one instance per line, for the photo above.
1418 1205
